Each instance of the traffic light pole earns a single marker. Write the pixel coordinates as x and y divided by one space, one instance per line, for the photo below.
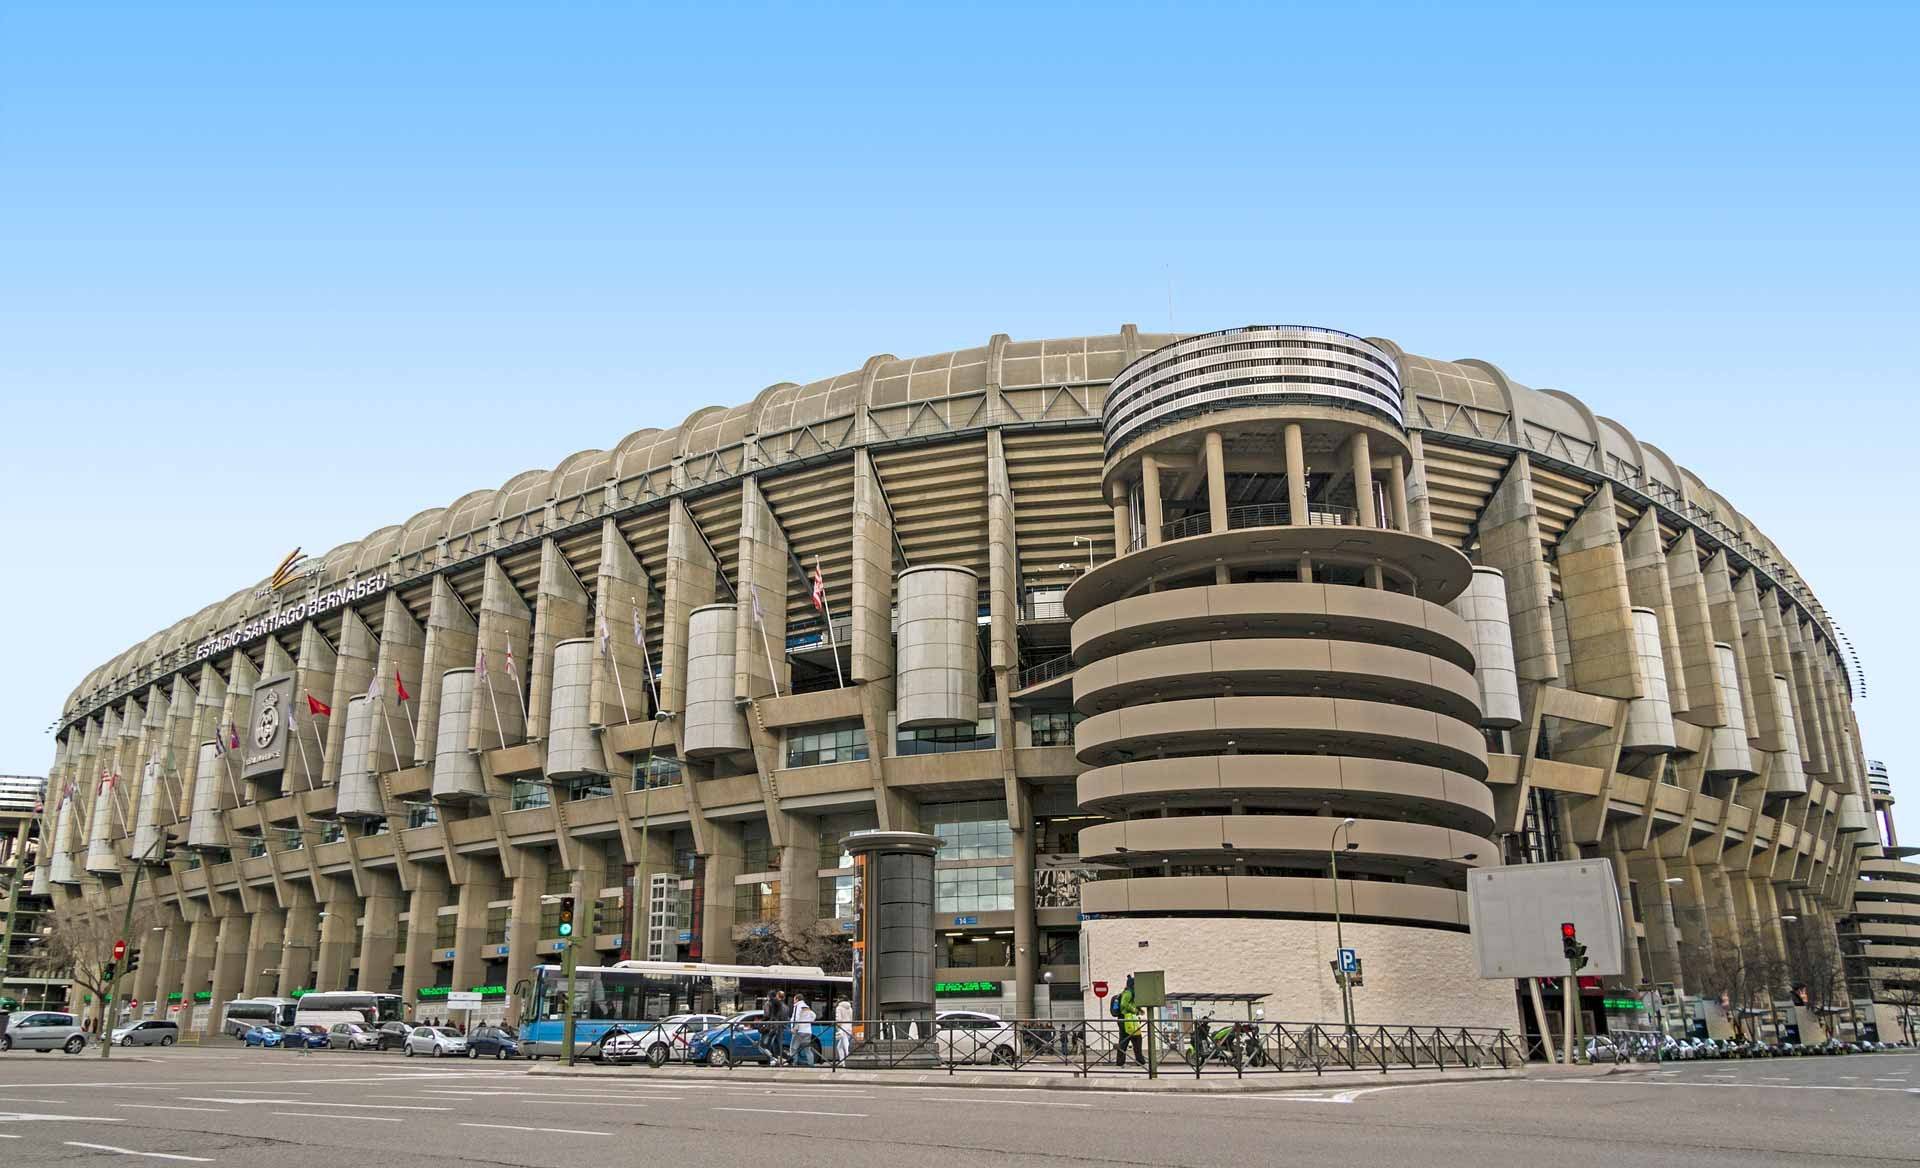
114 967
566 1011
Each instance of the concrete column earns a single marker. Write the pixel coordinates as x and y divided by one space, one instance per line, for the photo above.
450 638
523 920
198 966
1026 933
559 614
470 927
1216 482
302 934
229 966
621 689
171 964
1296 475
313 673
1657 917
152 948
1635 971
763 568
430 892
1361 448
266 937
505 630
1510 541
333 963
1150 493
722 862
1397 493
353 667
1122 527
871 593
379 935
799 873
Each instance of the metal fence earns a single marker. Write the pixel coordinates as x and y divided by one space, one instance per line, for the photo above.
1078 1047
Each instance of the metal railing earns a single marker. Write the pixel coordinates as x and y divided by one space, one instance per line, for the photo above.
1045 671
1261 515
1080 1047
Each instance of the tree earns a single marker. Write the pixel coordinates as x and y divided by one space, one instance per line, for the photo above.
1906 999
80 947
778 944
1813 962
1736 972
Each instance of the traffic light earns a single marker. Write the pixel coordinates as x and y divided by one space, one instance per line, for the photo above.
1571 946
133 961
566 916
106 974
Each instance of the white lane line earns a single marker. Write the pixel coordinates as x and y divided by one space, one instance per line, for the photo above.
25 1116
1004 1102
169 1107
786 1111
131 1152
24 1099
1736 1086
559 1131
425 1094
314 1103
8 1136
336 1115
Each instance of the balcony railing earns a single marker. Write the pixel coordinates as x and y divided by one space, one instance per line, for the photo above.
1262 515
1045 671
813 634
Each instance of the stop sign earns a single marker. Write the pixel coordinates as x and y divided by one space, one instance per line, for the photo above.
119 949
1099 989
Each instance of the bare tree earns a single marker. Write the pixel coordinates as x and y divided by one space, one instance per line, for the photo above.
1738 972
1813 962
1906 999
778 944
80 946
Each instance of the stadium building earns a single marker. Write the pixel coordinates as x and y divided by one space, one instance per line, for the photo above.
1136 623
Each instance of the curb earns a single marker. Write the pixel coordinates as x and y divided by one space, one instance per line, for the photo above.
1013 1080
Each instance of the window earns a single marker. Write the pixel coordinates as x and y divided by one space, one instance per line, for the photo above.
969 890
967 951
422 814
497 924
835 828
817 745
1052 727
756 902
945 739
333 833
976 830
445 929
529 793
756 849
660 771
836 898
587 787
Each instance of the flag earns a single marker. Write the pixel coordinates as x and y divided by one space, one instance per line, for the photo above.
106 780
819 588
233 736
400 687
606 645
480 662
639 632
515 673
759 618
373 688
318 708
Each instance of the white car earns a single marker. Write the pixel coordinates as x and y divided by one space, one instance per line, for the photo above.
969 1036
437 1041
664 1041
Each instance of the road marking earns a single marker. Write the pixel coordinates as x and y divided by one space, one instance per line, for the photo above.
1004 1102
131 1152
314 1103
169 1107
1735 1086
428 1093
26 1116
784 1111
24 1099
335 1115
560 1131
8 1136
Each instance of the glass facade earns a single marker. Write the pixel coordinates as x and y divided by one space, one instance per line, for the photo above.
946 739
530 793
975 830
756 902
659 771
972 890
816 745
1052 727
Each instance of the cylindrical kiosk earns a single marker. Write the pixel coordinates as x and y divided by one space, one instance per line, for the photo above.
1484 607
892 948
456 772
573 748
712 724
938 675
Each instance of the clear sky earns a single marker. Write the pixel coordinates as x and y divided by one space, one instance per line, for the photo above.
275 275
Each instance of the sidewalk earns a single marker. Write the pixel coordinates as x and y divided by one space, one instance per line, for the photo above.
1174 1083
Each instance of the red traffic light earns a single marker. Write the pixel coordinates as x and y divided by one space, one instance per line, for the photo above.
1567 932
119 949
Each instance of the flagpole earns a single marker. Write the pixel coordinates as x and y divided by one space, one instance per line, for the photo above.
226 753
765 646
319 741
387 721
646 658
514 672
305 758
494 699
613 667
412 729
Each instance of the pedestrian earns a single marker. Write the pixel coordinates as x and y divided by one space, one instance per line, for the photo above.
1128 1011
843 1032
801 1047
779 1014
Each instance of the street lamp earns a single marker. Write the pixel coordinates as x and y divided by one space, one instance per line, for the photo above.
1046 989
1339 937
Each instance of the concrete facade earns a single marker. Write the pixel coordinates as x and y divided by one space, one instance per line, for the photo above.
1220 602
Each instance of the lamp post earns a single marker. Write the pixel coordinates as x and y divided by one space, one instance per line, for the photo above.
1339 937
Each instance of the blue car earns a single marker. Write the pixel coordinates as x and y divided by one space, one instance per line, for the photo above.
265 1034
740 1041
290 1037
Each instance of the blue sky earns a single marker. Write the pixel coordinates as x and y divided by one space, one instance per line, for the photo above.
251 254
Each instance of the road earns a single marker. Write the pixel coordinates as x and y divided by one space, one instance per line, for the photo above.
247 1108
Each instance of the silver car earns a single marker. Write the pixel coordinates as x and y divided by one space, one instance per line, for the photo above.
153 1033
436 1041
44 1032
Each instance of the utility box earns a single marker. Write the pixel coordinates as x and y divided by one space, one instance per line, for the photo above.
1516 912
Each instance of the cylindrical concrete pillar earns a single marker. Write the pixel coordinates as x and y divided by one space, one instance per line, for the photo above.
1216 482
1484 607
1649 716
1150 497
203 825
711 723
939 647
573 748
1853 814
146 822
1727 750
64 870
1296 445
358 795
1362 449
1787 776
456 773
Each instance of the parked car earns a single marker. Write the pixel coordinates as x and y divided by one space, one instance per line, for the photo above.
352 1036
393 1035
437 1041
265 1034
665 1041
308 1037
969 1036
43 1032
737 1040
153 1033
498 1042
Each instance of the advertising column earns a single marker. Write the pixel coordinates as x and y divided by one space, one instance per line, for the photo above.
892 948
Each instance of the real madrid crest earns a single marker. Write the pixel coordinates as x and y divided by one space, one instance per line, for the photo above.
267 725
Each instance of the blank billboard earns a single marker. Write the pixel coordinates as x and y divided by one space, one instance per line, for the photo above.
1516 912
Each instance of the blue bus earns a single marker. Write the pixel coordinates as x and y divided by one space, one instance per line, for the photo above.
636 995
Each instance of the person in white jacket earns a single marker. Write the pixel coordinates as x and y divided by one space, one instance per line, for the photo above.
801 1046
843 1031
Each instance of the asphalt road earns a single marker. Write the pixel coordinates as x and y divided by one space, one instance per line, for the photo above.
253 1108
